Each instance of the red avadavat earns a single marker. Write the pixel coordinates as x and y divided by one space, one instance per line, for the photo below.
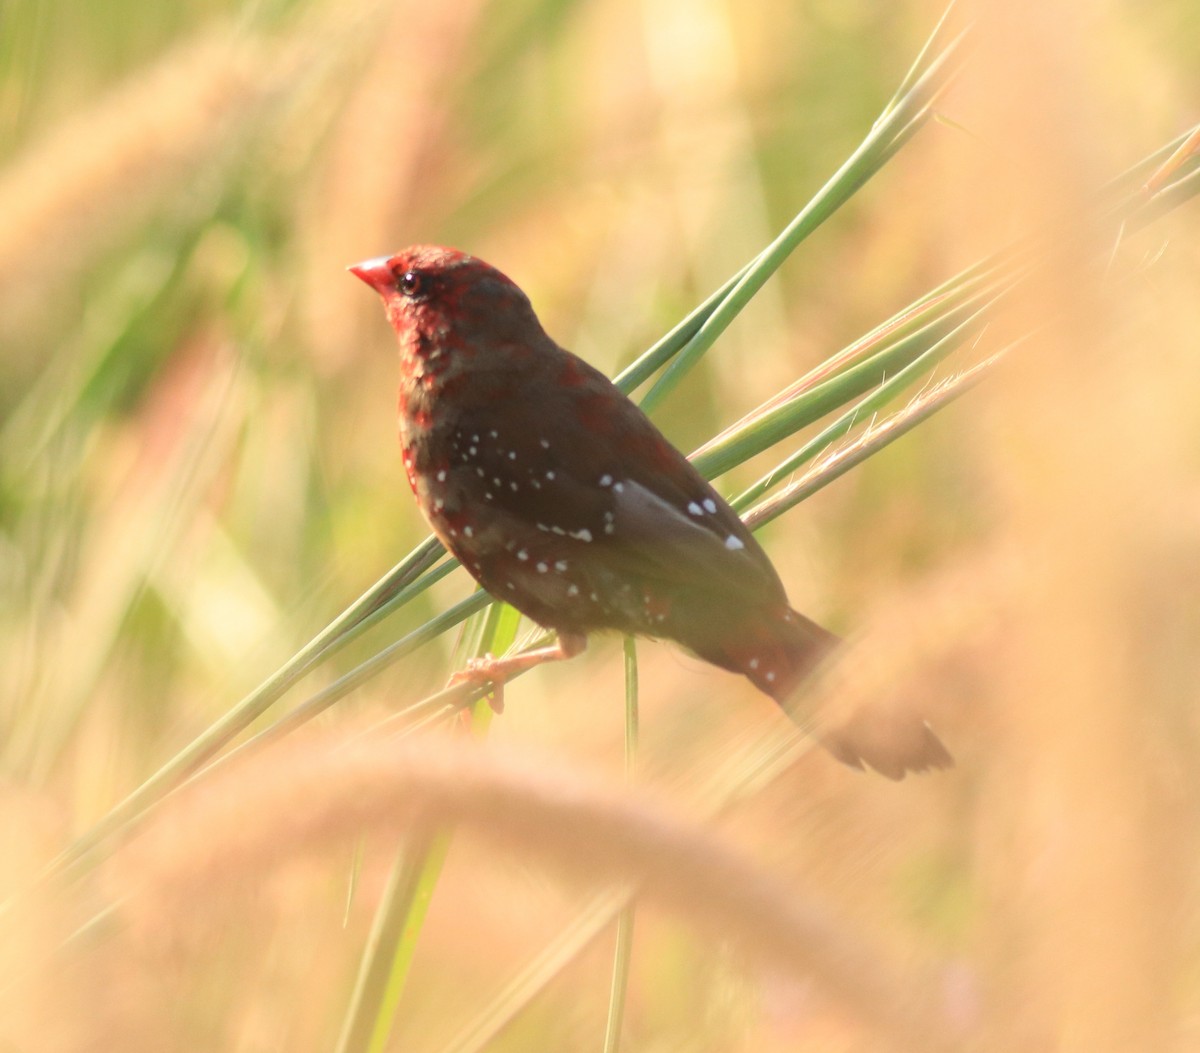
562 498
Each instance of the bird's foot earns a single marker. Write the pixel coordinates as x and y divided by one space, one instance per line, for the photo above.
480 671
495 671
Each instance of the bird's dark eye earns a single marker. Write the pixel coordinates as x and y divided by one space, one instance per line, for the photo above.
410 284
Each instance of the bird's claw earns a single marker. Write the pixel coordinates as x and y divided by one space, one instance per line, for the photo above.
481 671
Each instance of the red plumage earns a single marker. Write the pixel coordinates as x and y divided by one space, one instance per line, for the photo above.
562 498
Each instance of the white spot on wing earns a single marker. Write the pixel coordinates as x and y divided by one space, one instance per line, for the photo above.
441 476
542 568
710 504
522 555
695 509
468 531
581 535
733 543
606 480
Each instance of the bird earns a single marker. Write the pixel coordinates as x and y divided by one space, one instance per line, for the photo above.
562 498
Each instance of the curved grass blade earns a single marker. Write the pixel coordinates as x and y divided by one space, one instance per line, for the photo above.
396 588
389 953
864 409
896 125
623 955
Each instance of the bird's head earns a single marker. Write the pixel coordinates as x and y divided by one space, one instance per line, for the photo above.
437 293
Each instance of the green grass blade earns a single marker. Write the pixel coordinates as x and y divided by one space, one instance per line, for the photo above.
631 706
623 955
874 439
387 958
392 944
664 349
761 431
921 62
571 941
863 409
900 121
390 592
620 979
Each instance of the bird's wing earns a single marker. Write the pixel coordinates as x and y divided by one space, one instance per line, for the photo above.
621 495
698 541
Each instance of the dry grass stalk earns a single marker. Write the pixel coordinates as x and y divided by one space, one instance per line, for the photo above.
312 795
67 193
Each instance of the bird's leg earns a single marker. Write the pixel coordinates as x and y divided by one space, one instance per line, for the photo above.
495 671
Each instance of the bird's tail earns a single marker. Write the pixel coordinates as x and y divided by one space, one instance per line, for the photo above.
779 650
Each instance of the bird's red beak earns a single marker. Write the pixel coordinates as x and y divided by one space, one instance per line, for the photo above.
376 273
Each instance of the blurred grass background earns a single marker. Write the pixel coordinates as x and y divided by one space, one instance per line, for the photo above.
198 469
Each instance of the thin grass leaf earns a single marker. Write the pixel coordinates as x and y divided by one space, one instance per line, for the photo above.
400 918
664 349
571 941
622 959
631 706
1180 188
433 706
1185 154
864 409
873 439
392 943
623 955
749 768
898 355
159 513
900 122
922 61
385 595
